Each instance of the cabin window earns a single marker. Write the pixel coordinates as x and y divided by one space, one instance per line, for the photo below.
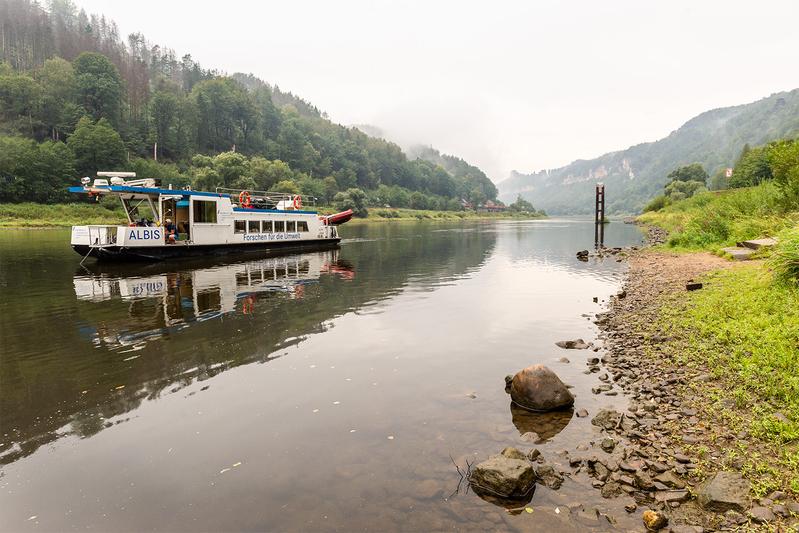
291 226
280 226
302 225
266 226
204 212
255 226
240 226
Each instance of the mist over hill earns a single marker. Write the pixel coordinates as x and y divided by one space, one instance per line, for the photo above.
635 175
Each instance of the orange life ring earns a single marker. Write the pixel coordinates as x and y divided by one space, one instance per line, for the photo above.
297 203
244 199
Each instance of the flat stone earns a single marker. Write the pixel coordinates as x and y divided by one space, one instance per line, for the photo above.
725 491
761 515
756 244
668 496
738 254
670 480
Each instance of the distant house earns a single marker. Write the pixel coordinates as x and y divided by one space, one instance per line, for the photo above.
492 207
466 204
728 172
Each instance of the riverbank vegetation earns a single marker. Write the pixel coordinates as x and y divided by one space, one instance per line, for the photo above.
743 327
32 215
763 199
75 98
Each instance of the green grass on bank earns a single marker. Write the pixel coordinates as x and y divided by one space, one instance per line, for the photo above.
44 215
60 215
743 327
714 220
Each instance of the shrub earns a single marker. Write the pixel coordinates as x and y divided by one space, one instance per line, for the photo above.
785 260
656 204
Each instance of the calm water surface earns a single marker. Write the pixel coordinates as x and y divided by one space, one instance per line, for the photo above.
323 391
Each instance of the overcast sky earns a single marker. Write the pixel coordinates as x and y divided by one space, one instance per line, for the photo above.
521 85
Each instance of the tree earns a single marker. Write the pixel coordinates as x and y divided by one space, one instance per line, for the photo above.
783 158
751 168
354 199
679 190
287 186
477 196
692 172
59 112
97 146
164 107
418 200
267 173
685 181
521 205
230 166
34 172
19 96
99 86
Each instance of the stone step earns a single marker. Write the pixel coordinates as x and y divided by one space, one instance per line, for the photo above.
738 254
756 244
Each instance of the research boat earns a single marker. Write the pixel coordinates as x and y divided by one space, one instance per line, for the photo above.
175 223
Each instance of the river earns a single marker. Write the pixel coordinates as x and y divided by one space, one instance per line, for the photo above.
323 391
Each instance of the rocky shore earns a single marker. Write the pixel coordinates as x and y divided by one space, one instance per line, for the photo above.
661 458
667 450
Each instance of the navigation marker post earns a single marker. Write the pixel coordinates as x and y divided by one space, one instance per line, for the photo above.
599 217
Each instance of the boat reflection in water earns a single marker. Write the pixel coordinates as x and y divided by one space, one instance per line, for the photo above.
167 302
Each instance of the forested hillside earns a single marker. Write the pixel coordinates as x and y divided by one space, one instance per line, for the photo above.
634 176
75 97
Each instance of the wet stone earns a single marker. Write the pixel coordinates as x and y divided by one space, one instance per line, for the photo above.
537 388
607 444
504 477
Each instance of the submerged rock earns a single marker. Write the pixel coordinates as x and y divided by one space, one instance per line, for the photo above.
577 344
725 491
504 476
537 388
549 477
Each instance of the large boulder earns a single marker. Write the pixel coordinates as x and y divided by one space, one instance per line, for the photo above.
537 388
503 476
723 492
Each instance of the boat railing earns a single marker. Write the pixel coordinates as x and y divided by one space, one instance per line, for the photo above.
267 199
